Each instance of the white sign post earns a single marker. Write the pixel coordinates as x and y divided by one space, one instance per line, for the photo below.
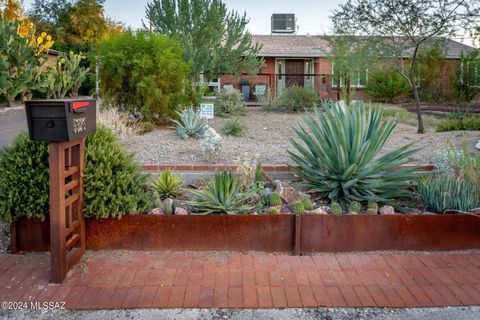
207 111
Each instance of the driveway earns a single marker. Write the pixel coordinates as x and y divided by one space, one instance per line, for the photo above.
12 122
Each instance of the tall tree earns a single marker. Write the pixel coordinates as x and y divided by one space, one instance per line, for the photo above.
214 40
75 24
350 57
402 27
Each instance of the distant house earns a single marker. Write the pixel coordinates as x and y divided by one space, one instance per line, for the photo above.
302 60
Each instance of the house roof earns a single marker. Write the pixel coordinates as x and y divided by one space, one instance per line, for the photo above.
296 46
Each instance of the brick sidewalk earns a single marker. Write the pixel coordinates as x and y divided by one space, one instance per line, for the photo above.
108 280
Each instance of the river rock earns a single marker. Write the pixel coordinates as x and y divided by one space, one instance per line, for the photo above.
386 210
157 211
318 211
179 211
210 132
290 194
478 145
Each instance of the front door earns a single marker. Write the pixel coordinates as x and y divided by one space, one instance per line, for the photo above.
309 74
295 70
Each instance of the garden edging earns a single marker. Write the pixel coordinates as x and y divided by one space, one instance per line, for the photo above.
268 233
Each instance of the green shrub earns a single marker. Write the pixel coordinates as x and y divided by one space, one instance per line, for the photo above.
230 103
145 127
113 182
144 73
222 196
233 127
297 98
337 155
24 179
447 192
190 124
168 185
469 122
386 84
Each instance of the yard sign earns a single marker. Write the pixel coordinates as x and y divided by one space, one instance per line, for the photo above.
207 111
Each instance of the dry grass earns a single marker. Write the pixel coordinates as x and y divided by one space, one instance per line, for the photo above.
118 122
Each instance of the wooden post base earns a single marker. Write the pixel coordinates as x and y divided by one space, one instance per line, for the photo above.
67 225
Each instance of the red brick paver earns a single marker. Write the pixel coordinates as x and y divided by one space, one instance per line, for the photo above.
108 280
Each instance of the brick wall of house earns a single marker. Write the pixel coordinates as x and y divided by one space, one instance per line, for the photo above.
323 78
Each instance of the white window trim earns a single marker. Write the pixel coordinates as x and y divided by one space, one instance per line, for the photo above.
477 73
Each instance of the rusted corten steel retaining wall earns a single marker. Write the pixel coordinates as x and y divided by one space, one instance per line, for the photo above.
282 233
389 232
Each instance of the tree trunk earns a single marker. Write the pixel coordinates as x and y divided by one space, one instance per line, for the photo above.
339 94
347 91
421 128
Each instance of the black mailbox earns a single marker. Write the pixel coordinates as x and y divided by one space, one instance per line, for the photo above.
61 119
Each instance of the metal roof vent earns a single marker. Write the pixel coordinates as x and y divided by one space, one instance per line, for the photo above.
283 23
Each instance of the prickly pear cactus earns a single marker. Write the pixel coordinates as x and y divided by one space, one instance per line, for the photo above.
336 208
354 207
275 199
274 211
307 203
298 208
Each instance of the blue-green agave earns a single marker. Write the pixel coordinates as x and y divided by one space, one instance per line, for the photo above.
337 151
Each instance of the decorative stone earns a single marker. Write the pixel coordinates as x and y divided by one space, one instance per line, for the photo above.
290 194
478 146
386 210
179 211
266 192
255 199
157 211
210 132
318 211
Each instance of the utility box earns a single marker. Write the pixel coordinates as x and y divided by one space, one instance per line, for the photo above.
61 119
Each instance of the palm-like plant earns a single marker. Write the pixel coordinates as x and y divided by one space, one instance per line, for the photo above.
168 185
222 196
190 124
337 155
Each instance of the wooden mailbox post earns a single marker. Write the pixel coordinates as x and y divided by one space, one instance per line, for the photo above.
64 124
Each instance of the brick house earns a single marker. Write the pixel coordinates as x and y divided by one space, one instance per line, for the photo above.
303 60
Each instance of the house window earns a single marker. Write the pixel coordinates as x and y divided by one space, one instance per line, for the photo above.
358 79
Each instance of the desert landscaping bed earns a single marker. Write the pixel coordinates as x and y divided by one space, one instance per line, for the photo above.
268 136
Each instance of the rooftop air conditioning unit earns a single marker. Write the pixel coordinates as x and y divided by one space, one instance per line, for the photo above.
283 23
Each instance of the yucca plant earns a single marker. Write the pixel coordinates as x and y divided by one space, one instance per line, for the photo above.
445 193
336 155
168 185
190 124
222 196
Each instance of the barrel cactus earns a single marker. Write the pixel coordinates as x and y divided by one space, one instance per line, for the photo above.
372 211
373 205
298 208
354 207
307 203
336 208
275 199
274 211
168 206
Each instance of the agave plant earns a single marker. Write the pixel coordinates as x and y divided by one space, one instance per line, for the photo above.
222 196
168 185
336 155
190 124
448 193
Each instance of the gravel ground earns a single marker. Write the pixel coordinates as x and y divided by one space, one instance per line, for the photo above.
267 135
472 313
4 237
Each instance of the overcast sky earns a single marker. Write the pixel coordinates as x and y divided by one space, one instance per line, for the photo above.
312 15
